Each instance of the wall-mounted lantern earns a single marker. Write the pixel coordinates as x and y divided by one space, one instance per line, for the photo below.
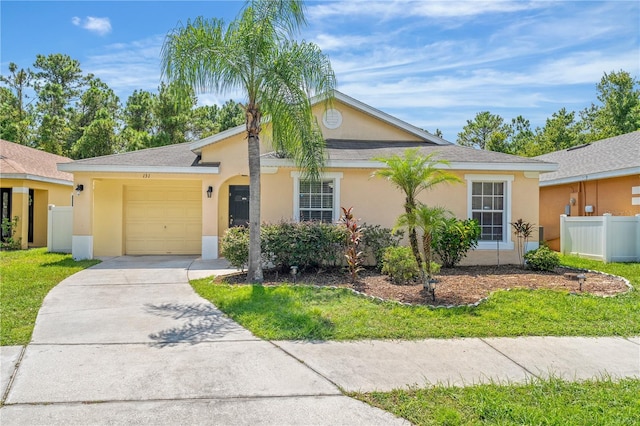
209 191
79 188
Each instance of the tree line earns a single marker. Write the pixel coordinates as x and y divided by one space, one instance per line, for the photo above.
56 107
617 113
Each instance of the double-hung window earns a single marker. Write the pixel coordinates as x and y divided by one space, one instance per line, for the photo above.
316 200
489 201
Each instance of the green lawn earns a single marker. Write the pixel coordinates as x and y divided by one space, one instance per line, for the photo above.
298 312
26 278
539 402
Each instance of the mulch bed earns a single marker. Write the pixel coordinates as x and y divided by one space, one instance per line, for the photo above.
462 285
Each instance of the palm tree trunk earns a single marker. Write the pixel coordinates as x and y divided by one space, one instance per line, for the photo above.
409 208
254 273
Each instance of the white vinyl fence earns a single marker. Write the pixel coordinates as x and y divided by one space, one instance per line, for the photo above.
59 229
607 238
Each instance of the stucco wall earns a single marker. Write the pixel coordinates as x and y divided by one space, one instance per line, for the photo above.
45 193
605 195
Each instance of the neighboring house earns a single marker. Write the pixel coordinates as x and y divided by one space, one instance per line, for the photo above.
180 199
30 181
593 179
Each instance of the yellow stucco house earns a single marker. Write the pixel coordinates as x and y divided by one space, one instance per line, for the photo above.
181 199
592 179
30 181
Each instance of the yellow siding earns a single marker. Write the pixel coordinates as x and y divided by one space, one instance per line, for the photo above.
45 193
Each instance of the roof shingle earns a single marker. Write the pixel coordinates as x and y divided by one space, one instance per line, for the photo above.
611 155
16 159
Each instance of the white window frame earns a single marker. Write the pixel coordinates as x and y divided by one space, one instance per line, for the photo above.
507 242
335 176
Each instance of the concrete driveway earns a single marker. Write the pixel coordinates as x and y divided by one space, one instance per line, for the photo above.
129 342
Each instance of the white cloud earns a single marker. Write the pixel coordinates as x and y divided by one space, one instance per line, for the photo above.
100 26
431 9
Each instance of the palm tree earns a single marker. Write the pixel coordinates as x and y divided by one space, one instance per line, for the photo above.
429 220
412 174
254 54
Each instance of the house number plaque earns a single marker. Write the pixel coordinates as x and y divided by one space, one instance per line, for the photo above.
146 175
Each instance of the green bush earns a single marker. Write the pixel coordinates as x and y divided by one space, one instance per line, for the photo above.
9 228
376 239
542 259
234 246
400 264
456 238
304 244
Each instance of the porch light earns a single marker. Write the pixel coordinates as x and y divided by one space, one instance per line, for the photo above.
79 188
581 279
209 191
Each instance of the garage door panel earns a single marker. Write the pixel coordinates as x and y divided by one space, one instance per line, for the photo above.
163 221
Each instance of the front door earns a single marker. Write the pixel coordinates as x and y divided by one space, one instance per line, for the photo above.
238 205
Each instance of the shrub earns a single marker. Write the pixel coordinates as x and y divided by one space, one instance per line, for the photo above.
303 244
234 246
376 239
400 264
455 239
542 259
9 228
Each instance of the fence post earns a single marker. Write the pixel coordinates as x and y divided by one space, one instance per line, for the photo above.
563 239
50 226
606 238
638 238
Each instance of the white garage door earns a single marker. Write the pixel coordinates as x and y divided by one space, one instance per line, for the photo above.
163 220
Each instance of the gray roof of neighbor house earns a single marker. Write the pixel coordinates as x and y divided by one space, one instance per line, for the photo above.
606 158
21 162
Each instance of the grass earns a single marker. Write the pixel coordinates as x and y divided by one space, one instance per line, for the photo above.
26 278
538 402
297 312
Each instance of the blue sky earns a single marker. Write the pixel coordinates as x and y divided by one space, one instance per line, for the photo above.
433 64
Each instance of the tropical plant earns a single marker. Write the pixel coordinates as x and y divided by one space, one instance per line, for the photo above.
522 230
353 254
430 221
414 173
455 239
255 54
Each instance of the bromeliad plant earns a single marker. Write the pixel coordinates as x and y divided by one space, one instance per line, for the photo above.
352 253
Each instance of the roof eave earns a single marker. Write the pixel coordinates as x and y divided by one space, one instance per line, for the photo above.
26 176
368 164
594 176
109 168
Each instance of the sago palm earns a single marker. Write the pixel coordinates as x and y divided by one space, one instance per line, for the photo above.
256 56
414 173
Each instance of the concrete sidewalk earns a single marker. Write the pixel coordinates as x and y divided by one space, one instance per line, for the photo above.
129 342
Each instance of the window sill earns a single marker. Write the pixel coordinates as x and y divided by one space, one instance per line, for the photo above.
491 245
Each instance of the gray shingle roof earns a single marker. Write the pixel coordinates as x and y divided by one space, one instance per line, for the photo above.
368 150
617 156
178 155
364 151
19 160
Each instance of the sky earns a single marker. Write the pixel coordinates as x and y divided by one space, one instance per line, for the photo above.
434 64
